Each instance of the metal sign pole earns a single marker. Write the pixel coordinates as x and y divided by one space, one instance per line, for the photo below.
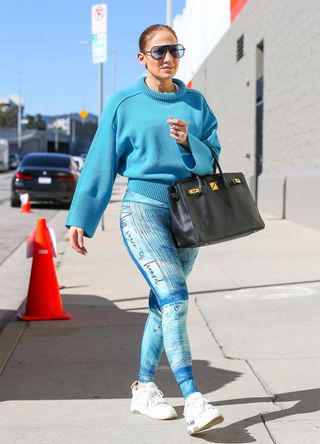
100 113
99 50
169 13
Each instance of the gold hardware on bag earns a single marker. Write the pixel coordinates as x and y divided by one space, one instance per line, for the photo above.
214 186
236 180
193 191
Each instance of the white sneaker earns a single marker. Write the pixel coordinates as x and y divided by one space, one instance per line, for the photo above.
149 401
199 414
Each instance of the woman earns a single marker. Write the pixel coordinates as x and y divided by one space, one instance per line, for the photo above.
154 133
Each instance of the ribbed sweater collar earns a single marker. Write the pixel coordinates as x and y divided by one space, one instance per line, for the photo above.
163 96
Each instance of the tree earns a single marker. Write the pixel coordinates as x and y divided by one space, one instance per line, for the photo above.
8 119
35 122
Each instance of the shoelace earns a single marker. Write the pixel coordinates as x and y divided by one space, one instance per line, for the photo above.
156 397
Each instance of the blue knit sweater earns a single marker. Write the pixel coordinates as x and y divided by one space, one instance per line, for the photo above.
133 140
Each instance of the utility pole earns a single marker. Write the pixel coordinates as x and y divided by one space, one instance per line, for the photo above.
169 13
19 113
56 138
18 104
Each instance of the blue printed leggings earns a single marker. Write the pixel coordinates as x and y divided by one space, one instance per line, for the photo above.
145 228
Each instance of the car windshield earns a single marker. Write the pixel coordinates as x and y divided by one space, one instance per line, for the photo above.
46 161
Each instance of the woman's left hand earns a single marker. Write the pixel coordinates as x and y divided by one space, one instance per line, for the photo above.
179 131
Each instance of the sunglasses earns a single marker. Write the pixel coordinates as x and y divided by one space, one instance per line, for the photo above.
158 52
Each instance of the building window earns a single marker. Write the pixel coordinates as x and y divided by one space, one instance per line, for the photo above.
240 44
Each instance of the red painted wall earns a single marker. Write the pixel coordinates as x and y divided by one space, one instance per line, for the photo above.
236 6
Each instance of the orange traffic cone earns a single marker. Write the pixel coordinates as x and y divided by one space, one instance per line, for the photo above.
25 203
44 300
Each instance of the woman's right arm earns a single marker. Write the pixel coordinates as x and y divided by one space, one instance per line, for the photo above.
76 240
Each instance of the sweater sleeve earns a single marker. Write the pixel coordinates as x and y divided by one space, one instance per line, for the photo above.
202 158
94 187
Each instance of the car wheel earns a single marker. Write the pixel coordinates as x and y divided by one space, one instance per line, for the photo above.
15 203
66 205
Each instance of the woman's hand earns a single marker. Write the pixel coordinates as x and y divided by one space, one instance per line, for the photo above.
179 131
76 240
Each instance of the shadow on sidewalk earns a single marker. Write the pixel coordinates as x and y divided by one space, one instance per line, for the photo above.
93 355
307 401
5 317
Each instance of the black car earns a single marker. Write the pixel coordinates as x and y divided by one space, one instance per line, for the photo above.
46 177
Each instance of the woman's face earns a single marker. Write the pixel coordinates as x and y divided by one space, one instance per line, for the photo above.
166 67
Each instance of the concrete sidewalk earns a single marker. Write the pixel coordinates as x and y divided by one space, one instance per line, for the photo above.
253 328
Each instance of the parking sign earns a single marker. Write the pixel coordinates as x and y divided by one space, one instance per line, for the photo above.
99 33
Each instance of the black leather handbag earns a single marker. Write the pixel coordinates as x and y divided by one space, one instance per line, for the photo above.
214 208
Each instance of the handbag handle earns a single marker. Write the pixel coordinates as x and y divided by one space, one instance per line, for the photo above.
217 164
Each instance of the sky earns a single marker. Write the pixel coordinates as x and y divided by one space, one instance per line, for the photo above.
47 44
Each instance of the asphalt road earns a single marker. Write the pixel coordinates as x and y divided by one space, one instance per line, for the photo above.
5 179
15 226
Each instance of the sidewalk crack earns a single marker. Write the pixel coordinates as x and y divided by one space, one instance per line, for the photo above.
273 397
16 343
212 333
267 429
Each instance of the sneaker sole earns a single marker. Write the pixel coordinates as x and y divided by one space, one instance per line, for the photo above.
142 412
199 428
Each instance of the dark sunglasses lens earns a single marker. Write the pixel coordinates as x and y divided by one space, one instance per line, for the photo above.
176 51
157 52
